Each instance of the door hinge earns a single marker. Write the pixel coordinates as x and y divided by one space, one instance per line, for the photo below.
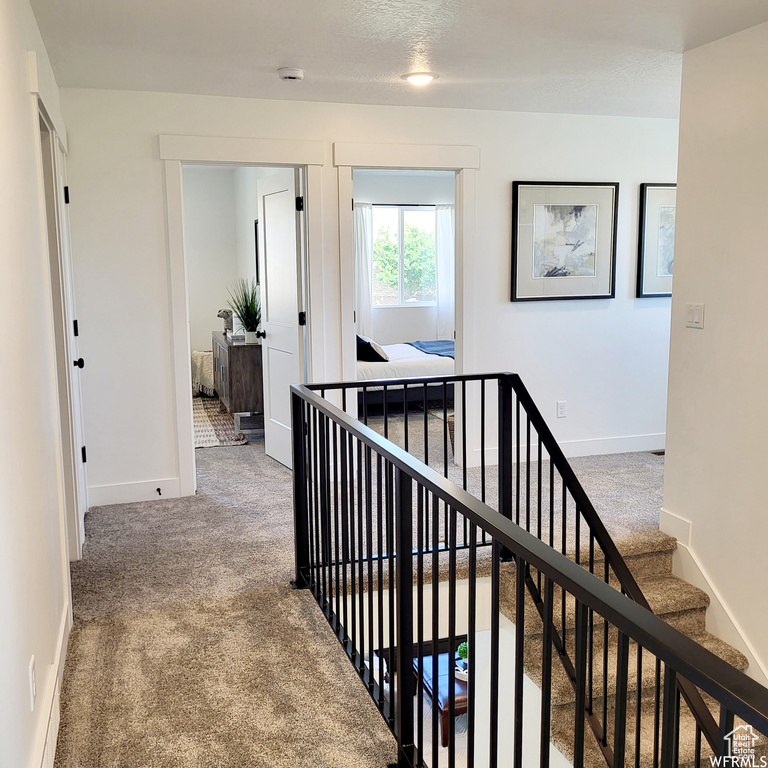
82 451
302 318
74 325
353 203
299 203
66 195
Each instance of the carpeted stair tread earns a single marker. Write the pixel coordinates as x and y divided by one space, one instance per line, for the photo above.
668 594
562 689
676 601
563 730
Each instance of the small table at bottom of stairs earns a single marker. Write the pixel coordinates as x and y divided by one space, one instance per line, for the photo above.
440 692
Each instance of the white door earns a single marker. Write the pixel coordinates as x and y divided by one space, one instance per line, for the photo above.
75 393
282 345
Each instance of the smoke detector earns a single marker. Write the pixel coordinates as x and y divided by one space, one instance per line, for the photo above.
290 73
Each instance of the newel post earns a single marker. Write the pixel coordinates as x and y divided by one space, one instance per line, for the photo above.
300 492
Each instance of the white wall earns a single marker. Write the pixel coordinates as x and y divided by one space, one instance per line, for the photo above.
391 325
34 573
716 449
608 359
246 212
210 247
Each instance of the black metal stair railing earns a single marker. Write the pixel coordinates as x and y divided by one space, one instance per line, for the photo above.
543 562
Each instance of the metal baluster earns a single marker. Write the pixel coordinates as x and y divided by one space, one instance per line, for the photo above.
581 684
420 498
435 617
528 473
620 721
336 536
725 728
656 715
369 553
380 589
391 549
405 417
344 529
464 434
445 434
494 704
639 704
403 514
451 542
546 673
361 520
353 586
669 719
520 572
426 423
471 642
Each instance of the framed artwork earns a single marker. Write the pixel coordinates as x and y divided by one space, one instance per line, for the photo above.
563 240
656 241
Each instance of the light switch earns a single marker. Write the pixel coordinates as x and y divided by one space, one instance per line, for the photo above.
694 316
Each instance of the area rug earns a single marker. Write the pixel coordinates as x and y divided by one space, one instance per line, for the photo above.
213 428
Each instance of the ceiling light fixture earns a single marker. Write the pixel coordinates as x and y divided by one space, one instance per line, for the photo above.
420 78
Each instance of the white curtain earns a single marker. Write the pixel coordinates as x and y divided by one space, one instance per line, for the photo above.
363 226
445 245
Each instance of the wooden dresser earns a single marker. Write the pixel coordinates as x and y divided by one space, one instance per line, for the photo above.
237 374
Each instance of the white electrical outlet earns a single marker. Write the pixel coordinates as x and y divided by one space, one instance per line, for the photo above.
32 685
561 409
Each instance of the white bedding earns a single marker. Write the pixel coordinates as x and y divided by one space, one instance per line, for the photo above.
405 361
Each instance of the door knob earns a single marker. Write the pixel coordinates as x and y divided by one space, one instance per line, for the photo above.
261 334
80 363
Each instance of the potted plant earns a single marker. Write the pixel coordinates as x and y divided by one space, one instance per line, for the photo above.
244 302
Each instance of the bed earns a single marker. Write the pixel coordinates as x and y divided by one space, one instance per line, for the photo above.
408 361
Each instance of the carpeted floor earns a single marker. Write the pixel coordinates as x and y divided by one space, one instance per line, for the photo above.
190 649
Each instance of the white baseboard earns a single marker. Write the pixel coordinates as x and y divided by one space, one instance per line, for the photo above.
602 445
44 748
720 621
593 447
124 493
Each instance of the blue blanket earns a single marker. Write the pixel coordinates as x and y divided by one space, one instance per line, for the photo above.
441 348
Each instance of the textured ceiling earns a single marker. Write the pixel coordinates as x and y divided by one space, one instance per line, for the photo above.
582 56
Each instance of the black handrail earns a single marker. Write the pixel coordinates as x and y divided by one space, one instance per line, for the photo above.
627 581
740 694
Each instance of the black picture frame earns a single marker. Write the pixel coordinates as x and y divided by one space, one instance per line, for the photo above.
527 285
654 199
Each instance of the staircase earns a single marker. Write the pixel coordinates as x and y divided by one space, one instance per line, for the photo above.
680 604
624 681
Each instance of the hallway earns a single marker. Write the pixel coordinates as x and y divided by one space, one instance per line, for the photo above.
189 647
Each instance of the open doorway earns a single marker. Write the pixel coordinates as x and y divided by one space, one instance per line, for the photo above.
242 239
404 233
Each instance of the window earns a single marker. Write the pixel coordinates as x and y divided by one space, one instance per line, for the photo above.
403 269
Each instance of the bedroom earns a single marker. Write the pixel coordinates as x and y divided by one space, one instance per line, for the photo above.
404 232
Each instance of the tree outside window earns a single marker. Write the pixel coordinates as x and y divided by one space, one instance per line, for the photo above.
404 271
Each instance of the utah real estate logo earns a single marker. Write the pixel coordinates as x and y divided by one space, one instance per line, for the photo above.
742 748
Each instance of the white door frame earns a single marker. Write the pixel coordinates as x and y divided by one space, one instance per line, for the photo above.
465 161
176 151
74 485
